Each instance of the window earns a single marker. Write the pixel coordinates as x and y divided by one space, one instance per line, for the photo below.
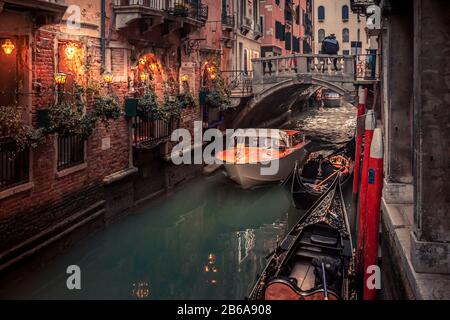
297 14
288 41
14 164
261 23
345 35
277 2
321 13
321 35
279 31
70 151
345 52
345 13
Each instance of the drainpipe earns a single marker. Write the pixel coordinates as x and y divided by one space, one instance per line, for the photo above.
102 35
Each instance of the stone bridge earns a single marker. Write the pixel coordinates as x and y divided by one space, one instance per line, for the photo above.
278 82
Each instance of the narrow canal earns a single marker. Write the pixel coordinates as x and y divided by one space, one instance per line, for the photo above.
206 240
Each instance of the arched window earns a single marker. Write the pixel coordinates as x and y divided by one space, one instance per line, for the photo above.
321 13
345 13
345 35
321 35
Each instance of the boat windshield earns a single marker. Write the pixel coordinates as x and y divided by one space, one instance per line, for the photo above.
261 142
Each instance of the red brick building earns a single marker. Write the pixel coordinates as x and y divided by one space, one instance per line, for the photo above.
287 27
119 46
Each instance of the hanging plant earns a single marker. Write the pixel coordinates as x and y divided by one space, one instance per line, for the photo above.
107 108
187 100
219 96
148 106
12 125
171 106
68 118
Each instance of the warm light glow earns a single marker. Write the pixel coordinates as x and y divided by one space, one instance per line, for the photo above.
8 46
211 69
212 76
143 61
185 78
60 78
206 269
108 77
153 66
70 52
144 76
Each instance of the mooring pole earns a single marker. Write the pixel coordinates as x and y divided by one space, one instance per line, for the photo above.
362 97
374 188
370 125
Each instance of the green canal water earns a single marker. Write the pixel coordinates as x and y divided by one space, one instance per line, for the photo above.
207 240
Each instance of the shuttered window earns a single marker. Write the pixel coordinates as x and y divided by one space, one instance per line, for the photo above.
288 41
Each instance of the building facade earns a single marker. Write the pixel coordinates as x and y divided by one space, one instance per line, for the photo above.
283 25
335 17
57 66
248 33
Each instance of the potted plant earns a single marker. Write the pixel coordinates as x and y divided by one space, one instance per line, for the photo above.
187 100
12 125
107 108
147 108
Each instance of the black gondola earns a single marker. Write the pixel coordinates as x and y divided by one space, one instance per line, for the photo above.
315 261
317 175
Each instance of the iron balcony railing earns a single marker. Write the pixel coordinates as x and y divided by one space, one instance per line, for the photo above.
147 131
14 164
194 9
239 82
228 20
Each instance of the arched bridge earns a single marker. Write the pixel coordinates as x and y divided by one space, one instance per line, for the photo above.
277 82
337 73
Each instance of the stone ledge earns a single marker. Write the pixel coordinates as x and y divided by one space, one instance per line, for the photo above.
119 175
425 286
71 170
398 193
15 190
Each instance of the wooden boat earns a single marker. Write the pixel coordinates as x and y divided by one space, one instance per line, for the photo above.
315 261
317 175
256 150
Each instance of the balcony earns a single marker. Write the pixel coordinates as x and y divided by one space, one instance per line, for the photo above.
257 32
360 6
190 11
246 25
227 22
43 11
149 133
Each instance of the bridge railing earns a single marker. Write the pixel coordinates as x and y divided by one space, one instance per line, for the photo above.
289 66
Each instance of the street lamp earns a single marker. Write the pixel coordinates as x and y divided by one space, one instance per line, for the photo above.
70 51
144 76
8 46
60 78
108 78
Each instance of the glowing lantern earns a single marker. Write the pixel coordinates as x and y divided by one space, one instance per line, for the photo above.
142 61
70 52
144 76
153 66
108 77
184 78
8 47
212 76
60 78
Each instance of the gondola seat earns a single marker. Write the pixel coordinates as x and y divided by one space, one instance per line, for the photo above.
323 240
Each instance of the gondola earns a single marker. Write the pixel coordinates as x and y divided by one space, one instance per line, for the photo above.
317 175
315 261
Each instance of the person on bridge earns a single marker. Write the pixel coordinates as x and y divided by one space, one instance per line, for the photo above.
330 46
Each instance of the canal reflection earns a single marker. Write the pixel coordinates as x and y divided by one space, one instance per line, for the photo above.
207 240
